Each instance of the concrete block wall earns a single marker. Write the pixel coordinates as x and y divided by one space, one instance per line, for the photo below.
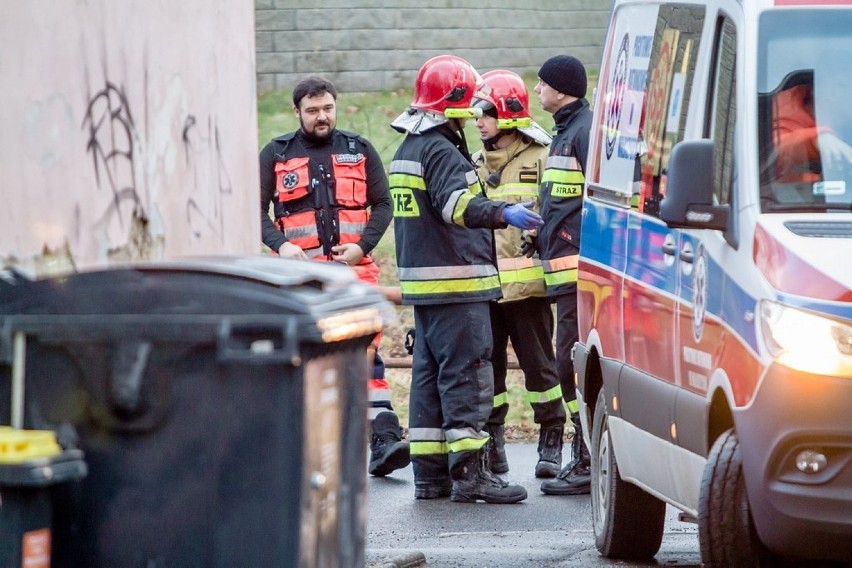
377 45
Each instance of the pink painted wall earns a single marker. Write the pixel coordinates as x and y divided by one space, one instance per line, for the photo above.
128 130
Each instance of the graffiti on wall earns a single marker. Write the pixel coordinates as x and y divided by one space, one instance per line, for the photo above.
144 179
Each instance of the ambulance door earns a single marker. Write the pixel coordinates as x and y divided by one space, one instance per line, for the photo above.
651 283
703 255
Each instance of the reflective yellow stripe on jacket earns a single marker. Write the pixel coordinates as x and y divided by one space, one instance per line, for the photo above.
430 280
520 269
562 270
565 175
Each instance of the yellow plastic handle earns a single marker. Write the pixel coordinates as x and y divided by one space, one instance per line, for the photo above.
17 446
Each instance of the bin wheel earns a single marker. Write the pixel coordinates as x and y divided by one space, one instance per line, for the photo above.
628 522
726 533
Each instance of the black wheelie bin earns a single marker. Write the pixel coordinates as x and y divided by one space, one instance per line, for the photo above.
220 404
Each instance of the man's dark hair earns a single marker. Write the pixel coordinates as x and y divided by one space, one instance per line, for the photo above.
313 87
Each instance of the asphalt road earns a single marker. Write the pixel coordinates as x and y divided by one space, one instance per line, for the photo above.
545 531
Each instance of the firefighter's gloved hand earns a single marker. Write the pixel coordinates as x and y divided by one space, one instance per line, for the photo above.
519 215
409 341
529 243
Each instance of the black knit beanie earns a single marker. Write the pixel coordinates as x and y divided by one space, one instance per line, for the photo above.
566 74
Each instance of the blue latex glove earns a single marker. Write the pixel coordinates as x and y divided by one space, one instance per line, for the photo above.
518 215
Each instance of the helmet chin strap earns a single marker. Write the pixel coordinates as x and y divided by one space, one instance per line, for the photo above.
491 143
457 126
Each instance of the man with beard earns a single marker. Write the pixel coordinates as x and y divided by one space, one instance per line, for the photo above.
331 204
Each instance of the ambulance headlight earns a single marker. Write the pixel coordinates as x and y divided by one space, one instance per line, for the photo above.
806 341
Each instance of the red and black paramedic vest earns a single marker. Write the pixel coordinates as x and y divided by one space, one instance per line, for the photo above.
321 205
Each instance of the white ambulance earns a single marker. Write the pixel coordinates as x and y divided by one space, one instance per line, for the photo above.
714 366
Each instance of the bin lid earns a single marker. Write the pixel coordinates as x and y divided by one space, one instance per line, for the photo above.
190 298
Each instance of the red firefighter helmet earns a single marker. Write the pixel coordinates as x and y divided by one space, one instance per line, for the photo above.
445 82
506 93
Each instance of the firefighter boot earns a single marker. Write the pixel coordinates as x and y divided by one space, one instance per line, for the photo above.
576 477
497 449
432 488
549 451
387 449
480 484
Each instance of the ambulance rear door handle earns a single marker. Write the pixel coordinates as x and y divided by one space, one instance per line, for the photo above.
669 248
686 253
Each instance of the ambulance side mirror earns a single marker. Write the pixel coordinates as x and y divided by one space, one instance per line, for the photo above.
689 200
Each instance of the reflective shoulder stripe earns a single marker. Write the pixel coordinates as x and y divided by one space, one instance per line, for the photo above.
562 163
406 173
471 178
563 176
407 181
406 167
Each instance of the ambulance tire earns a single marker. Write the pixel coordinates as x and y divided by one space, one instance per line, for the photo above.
628 522
726 533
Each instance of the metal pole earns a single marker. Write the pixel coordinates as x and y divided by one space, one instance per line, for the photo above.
19 354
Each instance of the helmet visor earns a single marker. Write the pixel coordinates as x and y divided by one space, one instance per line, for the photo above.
486 107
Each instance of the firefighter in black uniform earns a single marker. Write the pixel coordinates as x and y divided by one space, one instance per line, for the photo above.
447 269
561 91
332 205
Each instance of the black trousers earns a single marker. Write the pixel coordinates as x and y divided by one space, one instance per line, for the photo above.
452 389
567 334
528 323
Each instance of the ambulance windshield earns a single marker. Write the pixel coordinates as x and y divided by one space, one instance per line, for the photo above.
805 110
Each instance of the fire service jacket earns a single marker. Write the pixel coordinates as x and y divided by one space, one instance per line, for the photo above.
562 197
519 168
442 223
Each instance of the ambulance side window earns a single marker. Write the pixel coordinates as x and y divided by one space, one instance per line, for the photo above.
666 104
722 122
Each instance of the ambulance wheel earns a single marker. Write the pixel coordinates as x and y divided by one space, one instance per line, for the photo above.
628 522
726 533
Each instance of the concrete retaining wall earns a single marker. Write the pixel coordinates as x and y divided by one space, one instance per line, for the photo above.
374 45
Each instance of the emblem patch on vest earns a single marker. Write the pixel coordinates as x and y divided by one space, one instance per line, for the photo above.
528 176
348 158
290 180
